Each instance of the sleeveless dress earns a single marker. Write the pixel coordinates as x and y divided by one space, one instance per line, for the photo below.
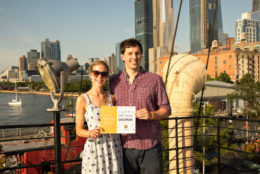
102 155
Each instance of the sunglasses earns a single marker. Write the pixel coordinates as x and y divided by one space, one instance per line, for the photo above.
103 74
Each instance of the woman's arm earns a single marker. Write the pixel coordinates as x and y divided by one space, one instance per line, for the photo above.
81 106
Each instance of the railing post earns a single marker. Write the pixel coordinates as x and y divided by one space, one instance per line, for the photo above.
218 142
177 148
57 141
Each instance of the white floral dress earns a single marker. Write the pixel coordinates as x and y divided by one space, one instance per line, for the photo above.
103 155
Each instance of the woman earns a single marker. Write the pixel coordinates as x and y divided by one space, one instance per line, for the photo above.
102 152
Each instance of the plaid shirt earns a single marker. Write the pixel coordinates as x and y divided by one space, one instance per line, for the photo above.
147 91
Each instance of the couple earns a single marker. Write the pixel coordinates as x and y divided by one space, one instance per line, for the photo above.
132 87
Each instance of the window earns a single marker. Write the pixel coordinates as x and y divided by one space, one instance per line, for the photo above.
230 56
210 6
224 62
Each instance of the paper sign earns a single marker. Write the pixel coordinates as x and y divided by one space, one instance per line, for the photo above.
117 119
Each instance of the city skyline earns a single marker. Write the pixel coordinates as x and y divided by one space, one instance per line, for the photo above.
84 29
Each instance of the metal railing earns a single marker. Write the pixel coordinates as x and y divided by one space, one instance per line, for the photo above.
233 140
224 139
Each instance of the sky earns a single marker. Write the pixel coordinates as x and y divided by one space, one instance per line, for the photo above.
86 28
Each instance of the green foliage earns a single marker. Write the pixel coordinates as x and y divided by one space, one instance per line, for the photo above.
224 77
248 91
2 162
74 86
207 110
207 133
209 78
36 86
106 87
69 106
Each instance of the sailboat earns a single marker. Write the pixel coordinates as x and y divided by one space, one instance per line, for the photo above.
15 102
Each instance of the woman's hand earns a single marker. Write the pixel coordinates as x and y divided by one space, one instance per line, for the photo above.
95 132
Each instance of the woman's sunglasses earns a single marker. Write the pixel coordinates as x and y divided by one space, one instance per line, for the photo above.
103 74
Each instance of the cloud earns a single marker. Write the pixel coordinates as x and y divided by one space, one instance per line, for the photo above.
128 31
9 57
2 9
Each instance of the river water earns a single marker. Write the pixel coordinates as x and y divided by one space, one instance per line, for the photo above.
32 111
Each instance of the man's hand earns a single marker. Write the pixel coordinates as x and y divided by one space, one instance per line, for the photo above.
143 114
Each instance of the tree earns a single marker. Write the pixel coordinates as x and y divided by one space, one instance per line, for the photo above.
224 77
248 91
207 135
209 78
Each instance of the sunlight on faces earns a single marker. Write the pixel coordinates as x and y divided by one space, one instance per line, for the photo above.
132 57
96 76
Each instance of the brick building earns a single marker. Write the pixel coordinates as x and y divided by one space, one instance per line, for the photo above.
234 59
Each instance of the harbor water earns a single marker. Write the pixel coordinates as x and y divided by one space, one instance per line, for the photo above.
32 111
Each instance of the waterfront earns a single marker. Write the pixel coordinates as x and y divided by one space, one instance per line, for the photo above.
32 111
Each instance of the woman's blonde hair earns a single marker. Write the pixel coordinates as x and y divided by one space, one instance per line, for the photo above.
97 62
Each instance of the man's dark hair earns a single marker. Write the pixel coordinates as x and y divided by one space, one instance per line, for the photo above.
132 42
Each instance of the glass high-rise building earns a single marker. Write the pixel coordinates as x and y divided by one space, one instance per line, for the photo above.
201 19
51 50
163 31
144 27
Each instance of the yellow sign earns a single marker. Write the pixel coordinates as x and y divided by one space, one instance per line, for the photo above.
117 119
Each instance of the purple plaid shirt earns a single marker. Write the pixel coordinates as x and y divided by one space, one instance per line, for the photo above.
147 91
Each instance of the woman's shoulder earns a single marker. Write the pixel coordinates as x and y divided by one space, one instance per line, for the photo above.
82 98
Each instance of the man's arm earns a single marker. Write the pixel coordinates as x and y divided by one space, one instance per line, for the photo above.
143 114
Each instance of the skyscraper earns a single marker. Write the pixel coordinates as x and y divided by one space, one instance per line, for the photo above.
32 58
22 65
163 31
119 62
201 20
247 26
111 60
144 27
51 50
256 5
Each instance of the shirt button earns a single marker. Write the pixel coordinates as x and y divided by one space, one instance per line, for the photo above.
131 93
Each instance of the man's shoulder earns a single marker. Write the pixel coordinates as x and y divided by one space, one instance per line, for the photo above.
115 79
152 75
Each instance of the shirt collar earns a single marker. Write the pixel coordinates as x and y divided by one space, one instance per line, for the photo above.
141 71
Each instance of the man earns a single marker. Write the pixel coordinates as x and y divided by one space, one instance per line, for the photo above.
144 90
